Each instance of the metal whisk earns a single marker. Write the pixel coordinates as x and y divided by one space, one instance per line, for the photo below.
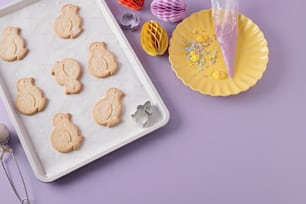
4 139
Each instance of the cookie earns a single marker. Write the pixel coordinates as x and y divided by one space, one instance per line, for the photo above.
29 99
102 62
65 135
67 73
107 111
12 45
69 23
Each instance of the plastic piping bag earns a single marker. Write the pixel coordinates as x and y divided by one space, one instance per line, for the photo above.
225 16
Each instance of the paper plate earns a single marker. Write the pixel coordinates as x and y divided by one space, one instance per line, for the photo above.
206 73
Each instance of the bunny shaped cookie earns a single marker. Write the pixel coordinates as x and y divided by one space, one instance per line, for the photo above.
29 99
107 111
65 136
12 45
69 23
102 62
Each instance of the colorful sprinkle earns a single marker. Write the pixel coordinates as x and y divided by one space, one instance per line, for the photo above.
202 56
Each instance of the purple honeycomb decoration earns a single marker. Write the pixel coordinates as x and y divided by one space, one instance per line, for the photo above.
169 10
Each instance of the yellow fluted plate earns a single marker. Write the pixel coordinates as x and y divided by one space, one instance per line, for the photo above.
251 56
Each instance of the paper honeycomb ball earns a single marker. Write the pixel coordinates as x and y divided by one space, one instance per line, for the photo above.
169 10
132 4
154 38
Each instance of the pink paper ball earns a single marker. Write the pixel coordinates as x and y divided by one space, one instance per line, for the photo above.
169 10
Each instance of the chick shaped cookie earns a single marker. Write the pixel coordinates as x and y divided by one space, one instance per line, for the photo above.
67 73
102 62
29 99
12 45
65 135
69 23
107 111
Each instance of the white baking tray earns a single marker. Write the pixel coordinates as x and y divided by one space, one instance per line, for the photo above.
13 5
36 21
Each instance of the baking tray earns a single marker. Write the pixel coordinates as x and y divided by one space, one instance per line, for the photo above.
36 21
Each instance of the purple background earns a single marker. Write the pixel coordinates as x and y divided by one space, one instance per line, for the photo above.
244 149
3 2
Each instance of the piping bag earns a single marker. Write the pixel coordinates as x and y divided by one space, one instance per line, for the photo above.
225 17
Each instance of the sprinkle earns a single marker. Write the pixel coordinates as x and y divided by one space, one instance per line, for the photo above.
194 58
220 75
200 54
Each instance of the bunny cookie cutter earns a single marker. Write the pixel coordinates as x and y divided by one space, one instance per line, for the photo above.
143 114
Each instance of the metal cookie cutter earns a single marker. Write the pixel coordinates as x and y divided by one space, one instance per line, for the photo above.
129 21
4 139
143 114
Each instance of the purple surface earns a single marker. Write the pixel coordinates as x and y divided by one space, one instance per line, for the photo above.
3 2
244 149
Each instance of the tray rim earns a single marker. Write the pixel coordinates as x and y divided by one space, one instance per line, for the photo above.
15 5
20 129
